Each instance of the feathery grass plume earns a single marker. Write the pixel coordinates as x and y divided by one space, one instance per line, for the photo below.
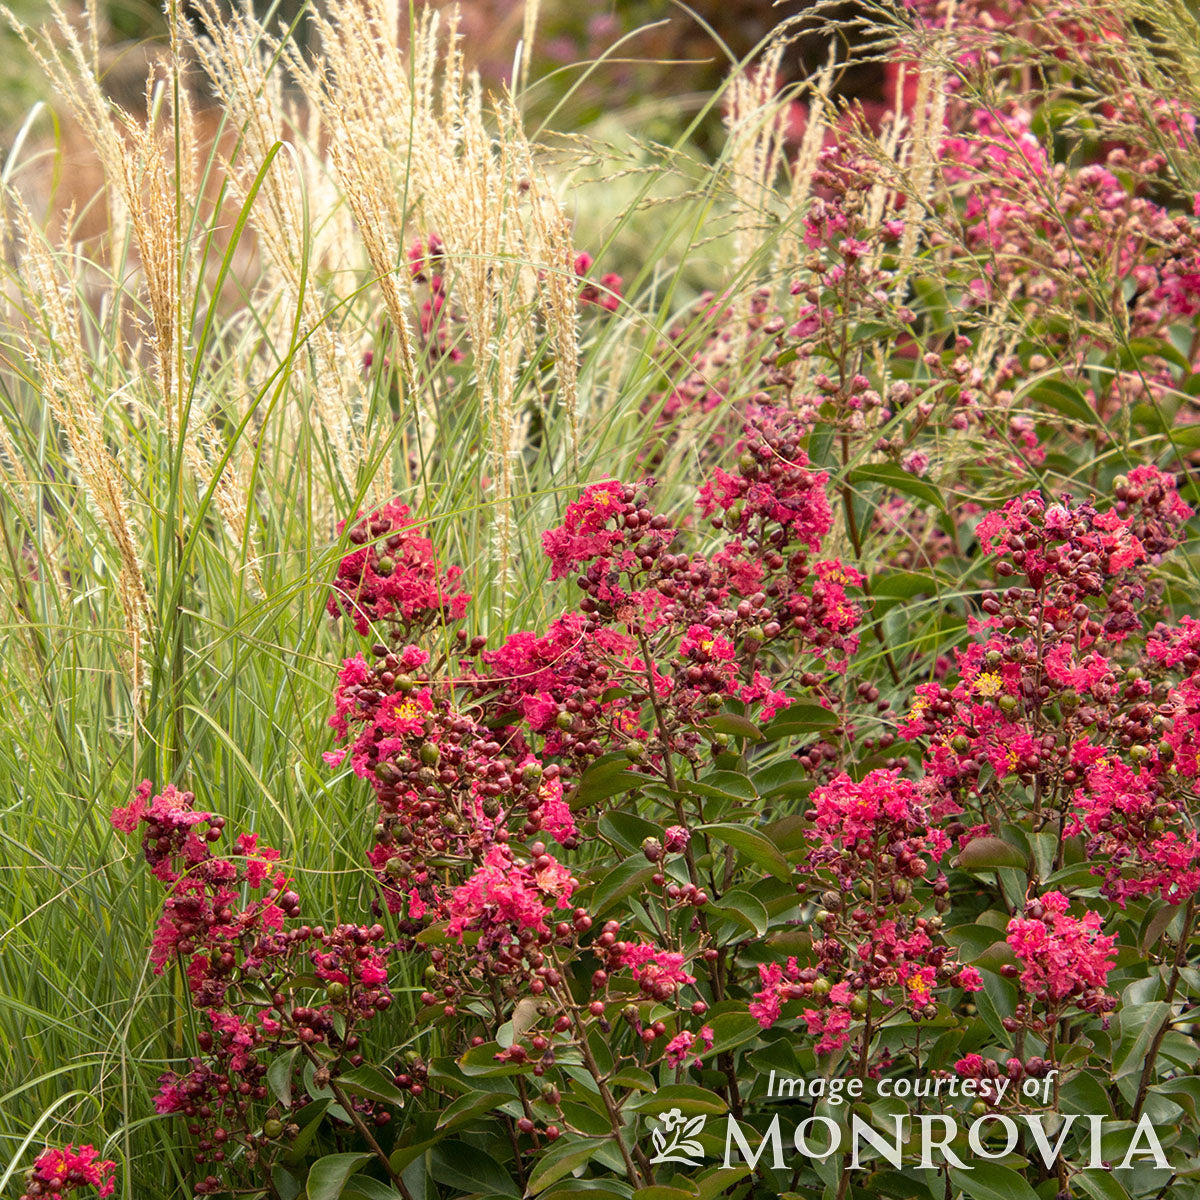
157 190
754 120
470 184
789 251
240 58
360 86
147 188
928 124
156 226
73 70
528 33
230 491
67 377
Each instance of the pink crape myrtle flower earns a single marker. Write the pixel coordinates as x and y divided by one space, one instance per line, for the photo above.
1062 957
504 896
682 1044
59 1171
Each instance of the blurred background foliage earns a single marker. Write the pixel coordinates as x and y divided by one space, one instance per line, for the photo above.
593 58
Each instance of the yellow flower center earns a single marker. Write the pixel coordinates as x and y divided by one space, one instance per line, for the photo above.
988 684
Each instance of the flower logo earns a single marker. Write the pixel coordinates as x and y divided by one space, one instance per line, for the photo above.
682 1148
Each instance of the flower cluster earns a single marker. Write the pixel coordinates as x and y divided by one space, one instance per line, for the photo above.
249 974
868 842
1064 960
504 898
393 577
59 1172
1033 696
1142 837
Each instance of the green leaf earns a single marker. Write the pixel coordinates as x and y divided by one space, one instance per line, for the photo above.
279 1076
717 1180
589 1189
722 785
1084 1095
560 1160
404 1156
990 1181
1145 347
363 1187
605 778
754 845
1063 398
789 833
371 1082
686 1097
329 1175
972 940
627 829
899 480
989 853
787 779
727 722
1143 1022
309 1119
460 1165
799 719
742 908
732 1029
481 1060
633 1077
468 1105
1184 1091
1156 926
623 880
1100 1185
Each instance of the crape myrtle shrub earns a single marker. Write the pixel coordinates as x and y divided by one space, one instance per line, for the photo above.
874 756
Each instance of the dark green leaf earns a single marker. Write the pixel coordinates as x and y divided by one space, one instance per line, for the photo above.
759 849
461 1165
563 1158
740 908
1063 398
481 1060
1099 1184
605 778
623 880
627 829
899 480
329 1175
1184 1091
732 1029
727 722
799 719
633 1077
972 940
469 1105
988 854
990 1181
1156 926
721 785
279 1076
1139 1026
686 1097
370 1082
363 1187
